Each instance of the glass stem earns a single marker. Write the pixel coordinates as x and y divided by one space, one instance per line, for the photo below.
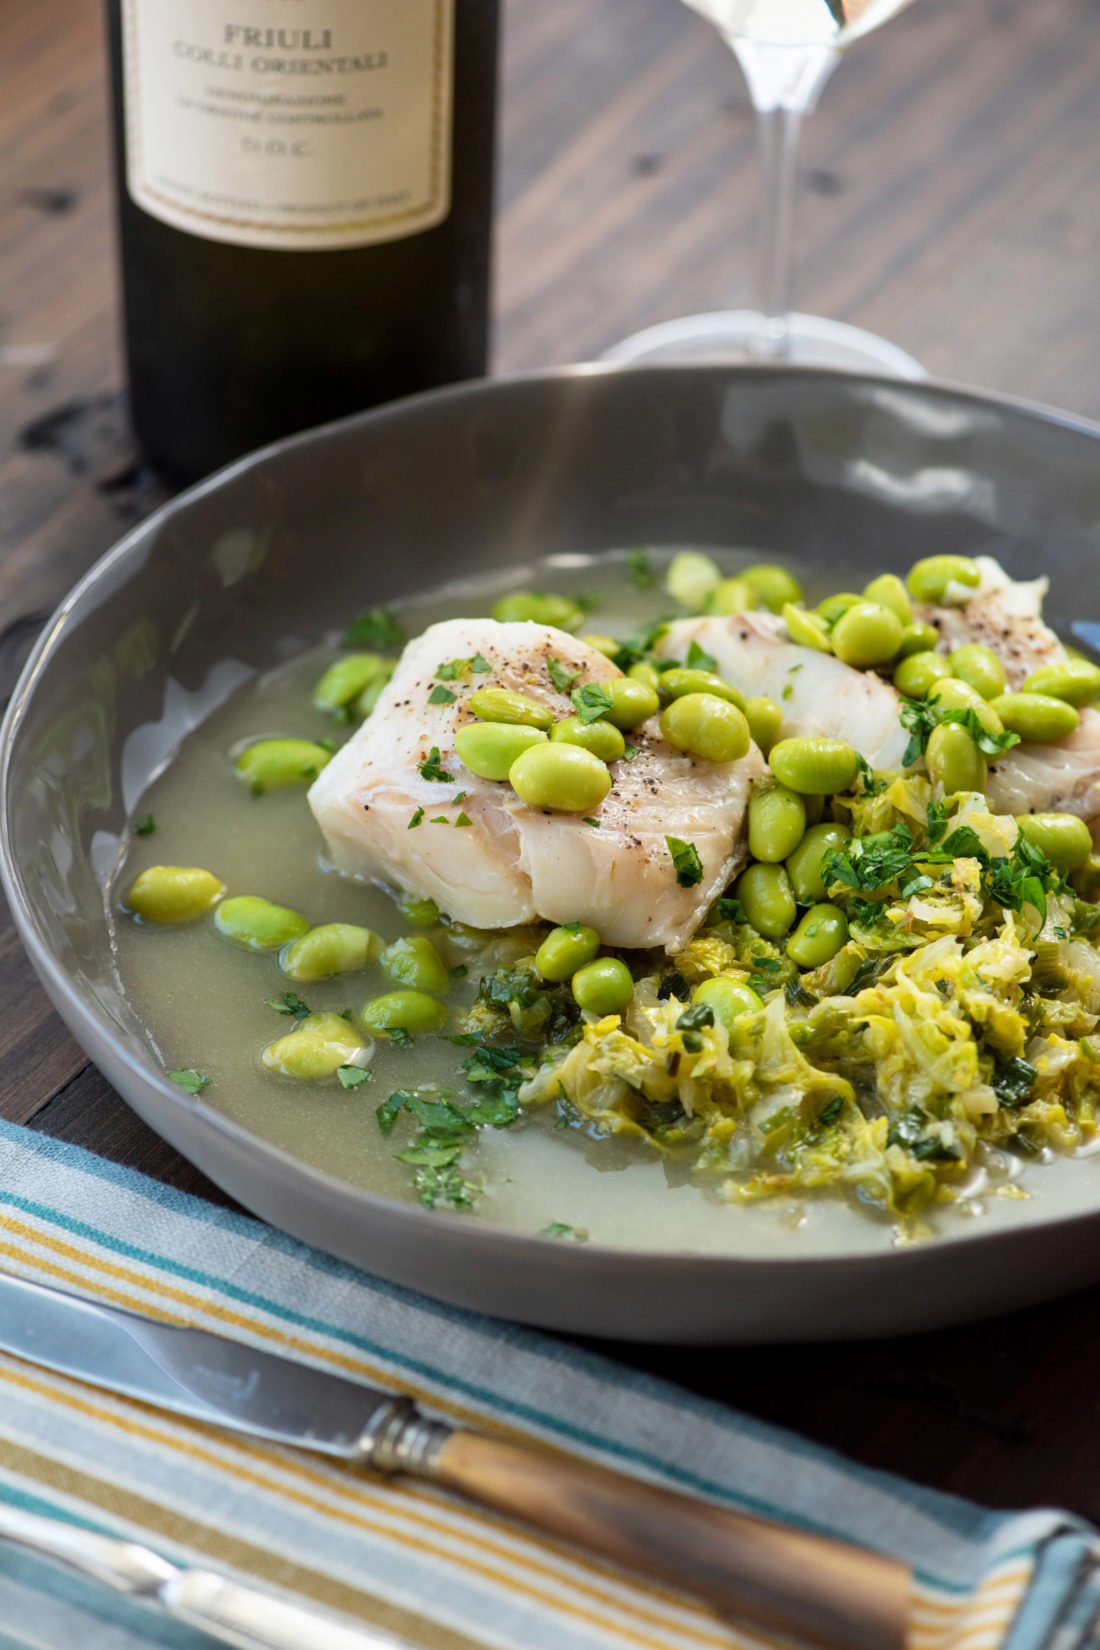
779 129
784 83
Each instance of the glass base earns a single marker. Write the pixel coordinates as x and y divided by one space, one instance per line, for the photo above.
734 335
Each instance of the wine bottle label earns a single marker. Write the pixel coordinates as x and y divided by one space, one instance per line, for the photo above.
290 123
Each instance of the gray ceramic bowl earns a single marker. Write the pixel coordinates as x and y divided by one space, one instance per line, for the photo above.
854 472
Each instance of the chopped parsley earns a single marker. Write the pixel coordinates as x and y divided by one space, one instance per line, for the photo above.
685 858
289 1003
146 826
190 1080
629 753
444 1126
451 670
462 821
871 785
920 717
641 574
729 910
869 862
441 696
378 628
415 820
439 819
561 676
353 1077
398 1035
699 659
479 665
595 824
591 702
430 768
561 1229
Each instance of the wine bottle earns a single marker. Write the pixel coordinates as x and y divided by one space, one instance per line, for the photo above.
305 193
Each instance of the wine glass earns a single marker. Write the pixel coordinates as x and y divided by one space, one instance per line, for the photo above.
787 50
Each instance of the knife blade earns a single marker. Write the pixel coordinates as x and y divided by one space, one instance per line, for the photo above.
187 1371
812 1587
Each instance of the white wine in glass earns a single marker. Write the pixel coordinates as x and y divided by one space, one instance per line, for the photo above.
787 50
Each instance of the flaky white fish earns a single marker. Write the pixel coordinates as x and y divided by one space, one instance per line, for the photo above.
513 863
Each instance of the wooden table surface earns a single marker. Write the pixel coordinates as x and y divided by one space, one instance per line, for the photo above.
950 200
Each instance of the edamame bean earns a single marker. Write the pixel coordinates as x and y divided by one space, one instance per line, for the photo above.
318 1046
674 684
807 629
415 962
958 695
1063 838
1077 681
954 760
1086 879
765 718
525 606
772 585
345 679
929 578
368 699
276 764
731 596
918 637
411 1011
257 924
981 669
566 949
632 701
607 645
489 748
814 766
889 591
766 894
332 948
777 823
728 999
643 671
502 705
564 778
1037 718
867 634
170 894
602 738
833 606
706 726
690 579
805 863
915 675
422 913
822 932
603 987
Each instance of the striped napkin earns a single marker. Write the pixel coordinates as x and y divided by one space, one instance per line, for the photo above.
405 1556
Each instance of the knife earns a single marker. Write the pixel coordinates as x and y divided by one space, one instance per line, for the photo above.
823 1592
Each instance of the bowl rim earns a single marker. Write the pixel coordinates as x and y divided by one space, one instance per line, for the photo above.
577 1258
